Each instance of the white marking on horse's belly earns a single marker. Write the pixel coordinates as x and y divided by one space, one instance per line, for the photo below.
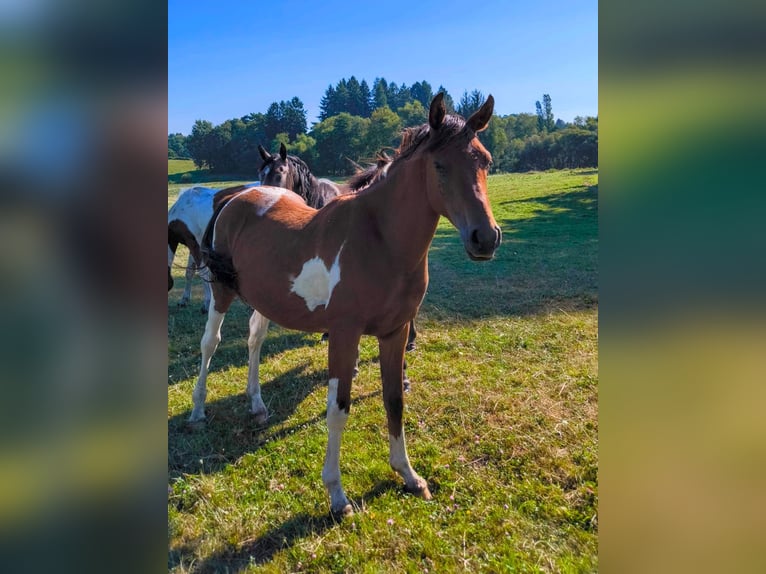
316 282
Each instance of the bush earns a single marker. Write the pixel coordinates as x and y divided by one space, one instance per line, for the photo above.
186 178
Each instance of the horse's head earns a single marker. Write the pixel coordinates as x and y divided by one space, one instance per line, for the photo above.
457 167
276 169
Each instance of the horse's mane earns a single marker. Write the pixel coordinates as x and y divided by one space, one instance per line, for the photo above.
365 177
413 137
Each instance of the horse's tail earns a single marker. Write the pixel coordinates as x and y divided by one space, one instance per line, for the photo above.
220 266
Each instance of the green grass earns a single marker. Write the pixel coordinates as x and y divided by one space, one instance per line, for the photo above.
501 420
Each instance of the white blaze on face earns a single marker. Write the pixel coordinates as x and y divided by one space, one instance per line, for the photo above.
316 282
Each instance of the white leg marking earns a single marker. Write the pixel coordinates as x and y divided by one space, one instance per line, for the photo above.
315 282
400 462
259 326
336 421
209 344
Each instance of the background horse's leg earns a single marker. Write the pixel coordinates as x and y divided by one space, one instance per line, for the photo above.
259 326
342 359
219 304
391 367
411 336
205 274
191 268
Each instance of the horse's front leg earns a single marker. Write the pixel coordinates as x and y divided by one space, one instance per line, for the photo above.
259 326
342 360
391 366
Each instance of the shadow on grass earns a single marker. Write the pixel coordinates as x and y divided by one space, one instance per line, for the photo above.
204 176
284 536
230 430
548 259
232 351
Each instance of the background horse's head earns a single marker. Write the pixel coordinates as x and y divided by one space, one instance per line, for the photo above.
280 170
456 174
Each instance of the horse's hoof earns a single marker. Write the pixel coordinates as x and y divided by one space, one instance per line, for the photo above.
197 415
261 418
410 347
406 385
325 337
343 512
356 372
419 490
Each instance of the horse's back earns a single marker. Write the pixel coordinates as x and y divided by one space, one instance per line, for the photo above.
194 208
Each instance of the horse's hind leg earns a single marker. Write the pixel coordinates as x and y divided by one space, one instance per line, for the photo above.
391 368
259 325
411 336
204 273
220 303
342 358
191 268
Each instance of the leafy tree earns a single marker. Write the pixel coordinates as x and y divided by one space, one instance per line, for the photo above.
380 91
413 114
495 140
177 147
327 104
337 138
545 121
448 102
199 143
288 117
304 147
366 99
469 103
383 130
422 92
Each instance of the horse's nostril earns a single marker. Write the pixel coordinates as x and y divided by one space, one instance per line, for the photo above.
475 238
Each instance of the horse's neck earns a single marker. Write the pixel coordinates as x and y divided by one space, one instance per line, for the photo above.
400 206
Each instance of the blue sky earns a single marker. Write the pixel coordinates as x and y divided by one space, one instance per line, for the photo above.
230 58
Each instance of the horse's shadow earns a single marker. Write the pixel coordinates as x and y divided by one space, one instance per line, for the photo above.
262 549
230 430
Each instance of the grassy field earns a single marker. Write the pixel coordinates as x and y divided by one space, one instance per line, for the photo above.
501 419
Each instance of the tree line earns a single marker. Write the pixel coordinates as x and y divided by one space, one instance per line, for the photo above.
357 120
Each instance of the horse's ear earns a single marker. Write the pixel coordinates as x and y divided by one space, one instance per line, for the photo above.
264 154
480 118
283 152
437 112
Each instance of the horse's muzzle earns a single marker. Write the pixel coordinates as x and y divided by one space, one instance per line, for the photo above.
481 244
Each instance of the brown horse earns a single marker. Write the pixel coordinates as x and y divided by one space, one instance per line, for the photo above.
359 266
292 173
